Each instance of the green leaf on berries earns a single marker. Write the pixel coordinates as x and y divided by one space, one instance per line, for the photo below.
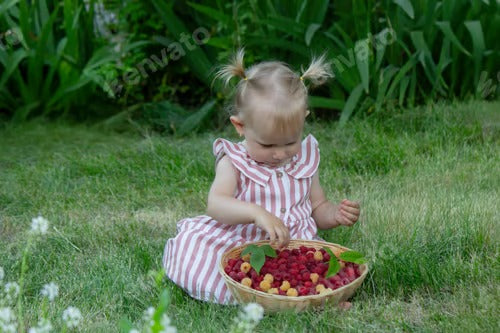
249 249
269 251
333 264
353 256
257 259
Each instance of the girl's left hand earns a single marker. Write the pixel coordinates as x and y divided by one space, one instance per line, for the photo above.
347 212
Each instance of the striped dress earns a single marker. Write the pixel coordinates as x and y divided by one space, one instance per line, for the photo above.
191 258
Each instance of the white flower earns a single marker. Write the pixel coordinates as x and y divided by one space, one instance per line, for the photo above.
50 291
39 225
7 320
148 316
2 274
253 312
44 326
11 291
165 323
72 317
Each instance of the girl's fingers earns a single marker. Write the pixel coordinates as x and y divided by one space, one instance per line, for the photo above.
350 203
349 216
350 209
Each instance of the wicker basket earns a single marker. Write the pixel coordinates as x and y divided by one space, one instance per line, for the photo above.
275 303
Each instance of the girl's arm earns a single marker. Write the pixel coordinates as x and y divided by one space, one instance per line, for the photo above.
328 215
223 207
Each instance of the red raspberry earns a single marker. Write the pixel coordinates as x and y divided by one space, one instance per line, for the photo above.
301 259
278 276
295 252
282 267
294 265
293 283
303 249
308 284
233 275
282 292
306 276
240 275
284 254
232 262
326 257
350 272
303 291
310 256
301 267
227 269
276 284
282 261
293 271
345 281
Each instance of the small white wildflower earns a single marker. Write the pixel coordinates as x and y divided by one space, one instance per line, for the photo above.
11 290
72 317
2 274
44 326
253 312
50 290
165 323
39 225
148 316
7 320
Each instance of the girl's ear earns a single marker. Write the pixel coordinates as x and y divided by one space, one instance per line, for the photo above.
238 125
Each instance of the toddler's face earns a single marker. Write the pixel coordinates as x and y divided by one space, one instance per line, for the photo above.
272 148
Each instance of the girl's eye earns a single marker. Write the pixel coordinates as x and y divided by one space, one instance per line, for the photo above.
266 146
291 143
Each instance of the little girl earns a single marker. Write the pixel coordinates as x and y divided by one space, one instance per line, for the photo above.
265 187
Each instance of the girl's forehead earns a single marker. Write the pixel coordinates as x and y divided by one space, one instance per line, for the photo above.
269 136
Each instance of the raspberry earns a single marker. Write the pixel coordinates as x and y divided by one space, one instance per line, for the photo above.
282 261
318 256
345 281
285 285
302 259
292 292
326 257
278 276
320 287
246 282
303 291
350 272
232 262
265 285
293 271
240 276
303 249
273 291
284 254
293 282
233 275
308 284
227 269
246 257
310 255
269 277
275 284
306 276
282 267
282 293
245 267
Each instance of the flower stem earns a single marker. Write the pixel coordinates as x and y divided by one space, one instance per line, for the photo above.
24 267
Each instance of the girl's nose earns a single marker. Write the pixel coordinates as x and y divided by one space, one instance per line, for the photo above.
279 155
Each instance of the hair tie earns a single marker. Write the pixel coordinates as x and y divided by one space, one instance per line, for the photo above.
245 78
301 78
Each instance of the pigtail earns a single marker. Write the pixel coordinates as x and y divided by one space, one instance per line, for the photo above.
234 68
318 72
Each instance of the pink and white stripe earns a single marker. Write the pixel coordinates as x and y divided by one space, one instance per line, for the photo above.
191 258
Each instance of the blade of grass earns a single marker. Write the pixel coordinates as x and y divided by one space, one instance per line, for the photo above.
350 104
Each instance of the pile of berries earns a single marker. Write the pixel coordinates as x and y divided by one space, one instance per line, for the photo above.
297 272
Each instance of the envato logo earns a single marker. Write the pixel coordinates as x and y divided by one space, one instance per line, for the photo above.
486 87
173 52
361 50
9 39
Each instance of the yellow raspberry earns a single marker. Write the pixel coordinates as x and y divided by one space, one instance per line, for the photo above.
265 285
273 291
342 264
314 277
246 257
292 292
269 277
285 285
325 291
318 256
246 282
320 288
245 267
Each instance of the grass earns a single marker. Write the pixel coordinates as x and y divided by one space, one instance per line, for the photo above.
427 179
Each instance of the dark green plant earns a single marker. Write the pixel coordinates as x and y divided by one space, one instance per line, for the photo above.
53 67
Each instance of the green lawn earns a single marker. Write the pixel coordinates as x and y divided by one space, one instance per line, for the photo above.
427 179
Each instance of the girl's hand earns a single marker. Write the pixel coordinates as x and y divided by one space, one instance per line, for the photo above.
347 212
274 227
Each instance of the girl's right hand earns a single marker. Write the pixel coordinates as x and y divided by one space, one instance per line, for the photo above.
274 227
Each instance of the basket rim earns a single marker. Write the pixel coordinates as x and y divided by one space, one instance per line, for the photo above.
283 297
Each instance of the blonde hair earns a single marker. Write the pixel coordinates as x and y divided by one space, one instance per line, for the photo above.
272 86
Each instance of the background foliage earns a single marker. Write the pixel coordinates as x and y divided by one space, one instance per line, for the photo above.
70 52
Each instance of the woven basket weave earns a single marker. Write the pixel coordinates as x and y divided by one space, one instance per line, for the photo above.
275 303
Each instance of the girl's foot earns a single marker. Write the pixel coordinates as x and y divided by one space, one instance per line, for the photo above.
345 305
